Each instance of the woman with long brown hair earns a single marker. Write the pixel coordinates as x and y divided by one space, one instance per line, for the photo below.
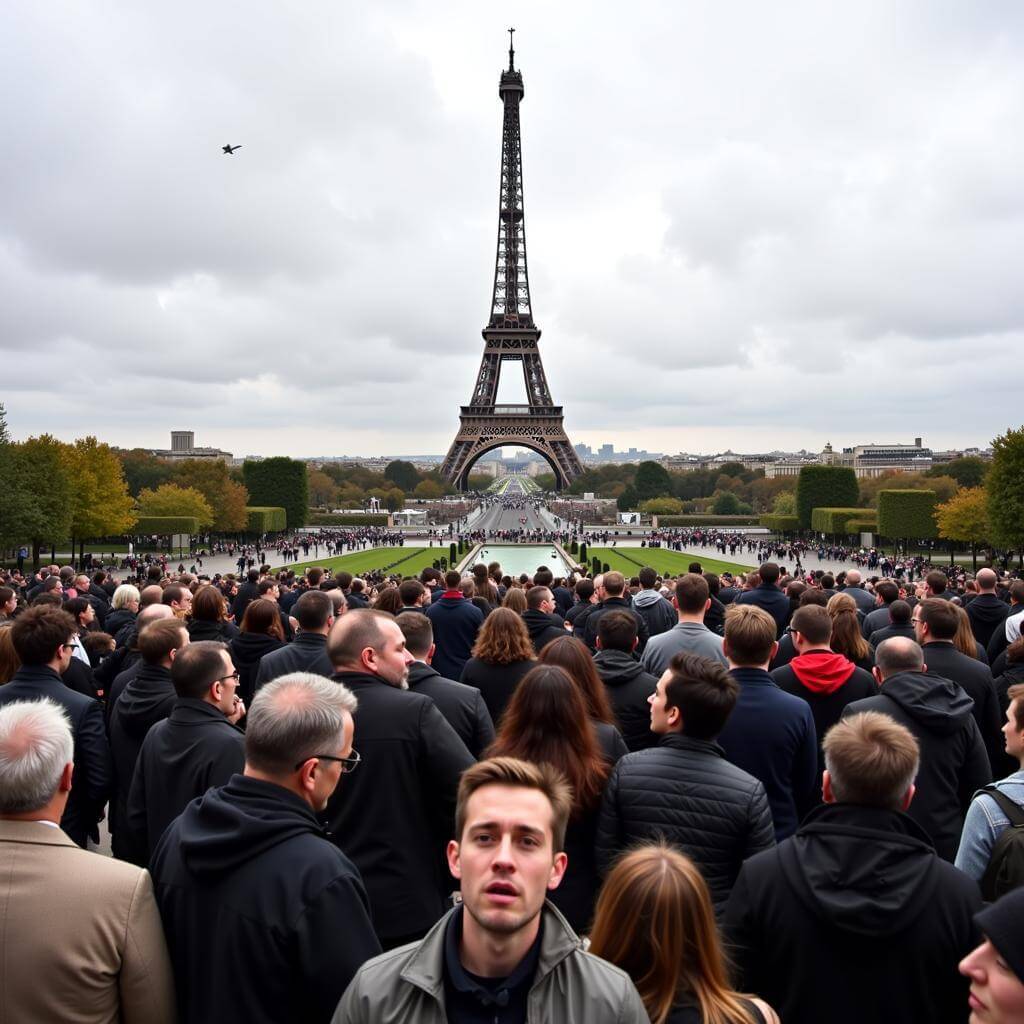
964 641
262 633
846 635
515 598
502 655
654 919
547 721
574 656
210 616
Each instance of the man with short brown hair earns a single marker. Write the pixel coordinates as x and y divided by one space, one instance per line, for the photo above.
691 600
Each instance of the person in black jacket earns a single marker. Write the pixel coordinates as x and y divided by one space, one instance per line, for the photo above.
249 591
266 920
463 706
954 764
766 595
41 637
855 918
196 748
629 687
613 595
146 700
657 613
261 634
936 622
502 655
684 790
392 815
314 612
541 622
986 610
900 624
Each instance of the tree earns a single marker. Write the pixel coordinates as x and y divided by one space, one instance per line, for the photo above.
906 514
428 490
227 498
1005 490
143 470
965 518
322 489
627 500
173 500
967 472
785 504
100 503
661 506
36 495
943 486
728 504
394 499
479 481
402 474
652 481
279 481
818 486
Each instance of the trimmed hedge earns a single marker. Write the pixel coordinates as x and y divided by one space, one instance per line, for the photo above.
835 520
265 519
905 514
824 487
352 519
862 526
165 526
279 482
781 524
707 520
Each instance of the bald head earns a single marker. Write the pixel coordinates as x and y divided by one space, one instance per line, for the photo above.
986 580
152 594
898 654
853 578
153 613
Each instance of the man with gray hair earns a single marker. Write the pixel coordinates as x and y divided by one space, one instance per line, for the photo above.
266 919
82 939
938 712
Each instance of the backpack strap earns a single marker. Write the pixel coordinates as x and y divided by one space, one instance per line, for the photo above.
1009 807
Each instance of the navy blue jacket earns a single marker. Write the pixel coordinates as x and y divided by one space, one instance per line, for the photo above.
770 735
456 623
772 600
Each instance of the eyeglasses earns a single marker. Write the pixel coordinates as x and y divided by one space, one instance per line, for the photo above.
348 764
233 678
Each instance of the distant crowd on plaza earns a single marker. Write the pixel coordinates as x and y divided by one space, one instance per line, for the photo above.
707 799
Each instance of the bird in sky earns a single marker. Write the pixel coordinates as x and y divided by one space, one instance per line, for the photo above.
229 149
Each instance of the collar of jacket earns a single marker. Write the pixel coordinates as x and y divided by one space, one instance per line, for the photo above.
864 821
310 639
359 679
187 708
34 833
420 670
37 674
677 741
753 677
426 968
454 594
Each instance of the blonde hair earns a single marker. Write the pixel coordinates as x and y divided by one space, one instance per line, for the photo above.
655 920
871 759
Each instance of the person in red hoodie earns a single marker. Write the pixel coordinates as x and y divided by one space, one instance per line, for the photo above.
826 680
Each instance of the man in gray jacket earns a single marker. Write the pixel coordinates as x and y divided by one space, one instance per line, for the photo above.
504 945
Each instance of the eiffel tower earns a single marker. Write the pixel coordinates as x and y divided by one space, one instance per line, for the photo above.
511 335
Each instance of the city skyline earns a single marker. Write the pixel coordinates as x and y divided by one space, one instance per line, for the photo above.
774 243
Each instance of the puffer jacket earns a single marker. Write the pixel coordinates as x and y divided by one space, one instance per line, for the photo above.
685 791
406 985
658 613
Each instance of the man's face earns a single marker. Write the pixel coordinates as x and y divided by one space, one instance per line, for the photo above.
391 660
185 604
227 685
11 604
919 626
66 652
1013 736
504 858
662 718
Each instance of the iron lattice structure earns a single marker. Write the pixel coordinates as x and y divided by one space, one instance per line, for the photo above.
510 335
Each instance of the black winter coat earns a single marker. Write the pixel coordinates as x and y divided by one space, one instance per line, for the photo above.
987 613
953 760
298 656
854 919
182 757
622 604
392 816
93 776
117 620
657 613
463 706
543 628
685 791
496 682
247 650
250 889
203 629
628 687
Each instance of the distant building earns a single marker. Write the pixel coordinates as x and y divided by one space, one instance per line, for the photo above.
183 446
868 460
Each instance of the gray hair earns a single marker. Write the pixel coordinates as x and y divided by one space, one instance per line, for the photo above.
898 654
295 717
35 745
125 593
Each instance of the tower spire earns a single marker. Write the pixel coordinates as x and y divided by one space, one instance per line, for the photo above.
511 52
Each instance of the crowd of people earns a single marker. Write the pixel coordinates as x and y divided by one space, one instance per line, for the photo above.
694 800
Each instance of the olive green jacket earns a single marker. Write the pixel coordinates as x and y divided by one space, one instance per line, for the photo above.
406 985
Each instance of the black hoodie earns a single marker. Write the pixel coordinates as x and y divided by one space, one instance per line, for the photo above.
266 920
146 700
543 628
854 919
986 612
628 687
954 763
247 650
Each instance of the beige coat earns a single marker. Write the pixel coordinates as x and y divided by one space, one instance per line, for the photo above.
80 935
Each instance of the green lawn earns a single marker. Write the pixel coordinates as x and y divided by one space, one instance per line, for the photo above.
629 561
376 558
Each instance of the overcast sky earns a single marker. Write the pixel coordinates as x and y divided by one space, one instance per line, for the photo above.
749 225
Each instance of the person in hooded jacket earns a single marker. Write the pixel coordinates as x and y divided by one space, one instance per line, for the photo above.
657 613
826 680
195 748
541 622
954 763
261 634
146 700
629 687
986 610
855 918
266 919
